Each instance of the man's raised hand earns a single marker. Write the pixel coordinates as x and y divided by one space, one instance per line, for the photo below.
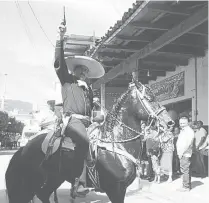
62 30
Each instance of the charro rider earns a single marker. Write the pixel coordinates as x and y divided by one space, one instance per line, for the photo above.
77 98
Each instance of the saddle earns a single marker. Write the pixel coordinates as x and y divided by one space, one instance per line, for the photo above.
57 138
54 140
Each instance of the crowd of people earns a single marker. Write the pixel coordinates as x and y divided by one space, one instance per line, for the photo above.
9 140
181 151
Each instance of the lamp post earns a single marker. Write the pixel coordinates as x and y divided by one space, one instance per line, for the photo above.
4 93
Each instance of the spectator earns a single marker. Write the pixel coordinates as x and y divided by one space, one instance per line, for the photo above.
176 163
167 148
198 167
47 117
184 150
152 143
156 164
144 158
204 151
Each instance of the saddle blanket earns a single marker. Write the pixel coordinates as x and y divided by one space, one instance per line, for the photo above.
66 143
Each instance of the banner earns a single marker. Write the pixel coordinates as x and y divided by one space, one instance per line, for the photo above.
169 88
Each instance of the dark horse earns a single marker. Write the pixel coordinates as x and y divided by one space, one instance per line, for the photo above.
25 177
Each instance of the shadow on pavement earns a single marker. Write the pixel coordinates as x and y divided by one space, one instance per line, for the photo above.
64 194
196 184
132 192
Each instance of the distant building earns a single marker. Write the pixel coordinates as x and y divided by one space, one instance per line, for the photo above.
24 118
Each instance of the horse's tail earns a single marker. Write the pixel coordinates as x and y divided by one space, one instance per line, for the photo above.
13 177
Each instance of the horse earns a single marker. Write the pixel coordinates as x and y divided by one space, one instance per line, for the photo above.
115 172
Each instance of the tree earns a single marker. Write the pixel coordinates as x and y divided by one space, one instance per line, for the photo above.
15 126
4 118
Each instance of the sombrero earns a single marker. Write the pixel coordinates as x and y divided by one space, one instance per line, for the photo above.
95 68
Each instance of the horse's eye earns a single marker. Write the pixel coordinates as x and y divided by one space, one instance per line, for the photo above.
131 85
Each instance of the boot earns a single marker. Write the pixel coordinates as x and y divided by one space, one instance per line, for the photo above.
82 190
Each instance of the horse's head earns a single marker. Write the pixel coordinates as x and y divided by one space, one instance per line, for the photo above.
143 105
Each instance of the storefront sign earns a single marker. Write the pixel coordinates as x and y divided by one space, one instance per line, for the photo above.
169 88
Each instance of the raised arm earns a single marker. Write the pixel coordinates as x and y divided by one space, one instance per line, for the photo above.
60 64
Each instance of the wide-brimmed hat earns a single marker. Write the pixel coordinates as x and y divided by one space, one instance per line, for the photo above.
95 68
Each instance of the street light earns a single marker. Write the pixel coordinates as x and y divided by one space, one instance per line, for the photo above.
4 93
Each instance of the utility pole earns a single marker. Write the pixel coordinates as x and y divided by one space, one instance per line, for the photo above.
4 93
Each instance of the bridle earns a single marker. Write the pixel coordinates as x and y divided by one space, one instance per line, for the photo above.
154 115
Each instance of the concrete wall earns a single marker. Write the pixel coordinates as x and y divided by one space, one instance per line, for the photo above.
189 91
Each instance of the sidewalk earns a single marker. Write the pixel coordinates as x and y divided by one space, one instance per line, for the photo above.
167 192
7 152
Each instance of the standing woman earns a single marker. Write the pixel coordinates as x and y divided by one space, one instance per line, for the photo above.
144 157
152 143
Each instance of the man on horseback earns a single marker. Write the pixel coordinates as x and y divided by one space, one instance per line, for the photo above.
77 98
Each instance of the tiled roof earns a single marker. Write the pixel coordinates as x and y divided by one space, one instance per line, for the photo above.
117 25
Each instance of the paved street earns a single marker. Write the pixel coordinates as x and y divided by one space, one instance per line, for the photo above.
150 192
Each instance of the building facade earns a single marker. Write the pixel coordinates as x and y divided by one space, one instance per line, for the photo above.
190 93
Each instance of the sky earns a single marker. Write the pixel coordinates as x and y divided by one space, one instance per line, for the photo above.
26 55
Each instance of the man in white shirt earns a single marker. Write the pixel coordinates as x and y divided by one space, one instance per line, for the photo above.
184 147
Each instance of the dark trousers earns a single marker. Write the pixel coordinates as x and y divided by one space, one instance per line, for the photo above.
205 158
176 162
77 132
185 163
150 168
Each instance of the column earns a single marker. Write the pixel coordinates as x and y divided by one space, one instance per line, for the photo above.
195 110
103 95
135 73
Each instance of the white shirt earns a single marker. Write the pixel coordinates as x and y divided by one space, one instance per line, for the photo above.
185 141
46 119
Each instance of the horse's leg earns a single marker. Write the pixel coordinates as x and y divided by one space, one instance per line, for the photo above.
117 192
51 186
55 197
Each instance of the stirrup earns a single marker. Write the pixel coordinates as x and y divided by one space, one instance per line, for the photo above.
74 190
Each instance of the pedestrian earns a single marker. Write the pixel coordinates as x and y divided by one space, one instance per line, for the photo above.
184 150
198 166
152 143
144 157
204 149
167 148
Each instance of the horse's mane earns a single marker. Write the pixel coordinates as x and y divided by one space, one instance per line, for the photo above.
113 114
